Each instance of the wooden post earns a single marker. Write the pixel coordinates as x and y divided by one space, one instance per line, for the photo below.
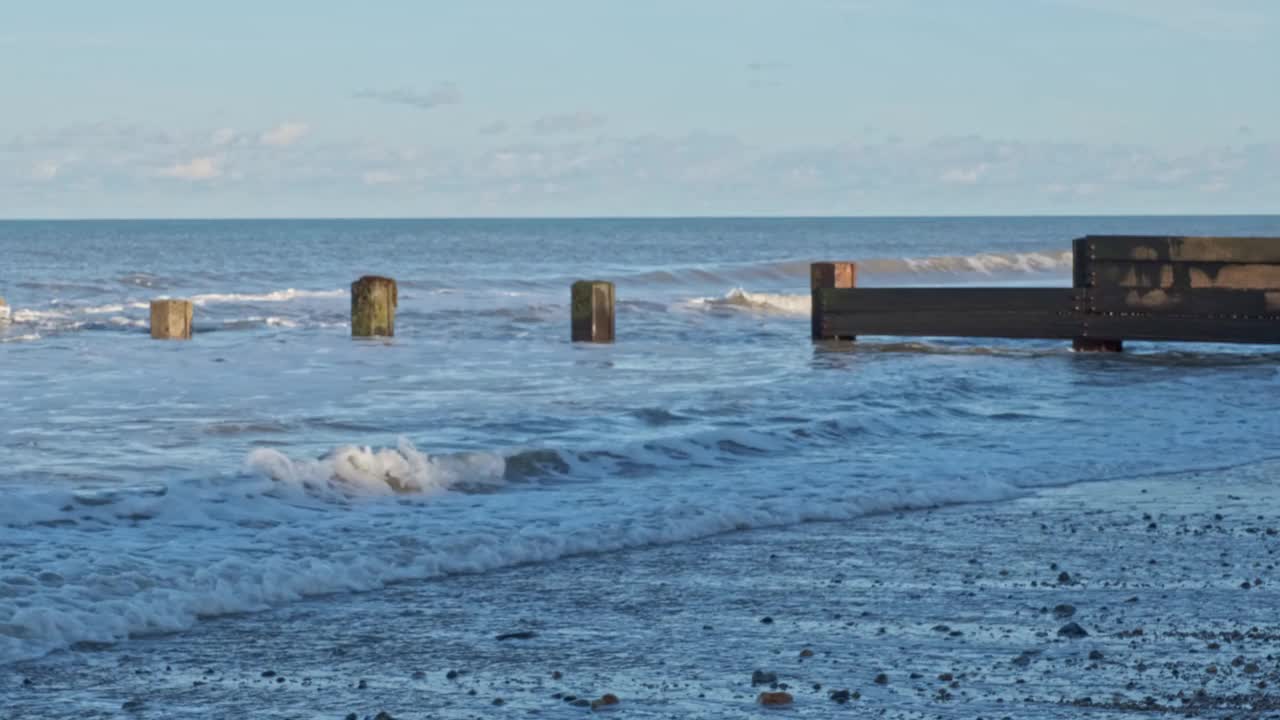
829 276
373 306
4 311
592 311
1084 276
171 319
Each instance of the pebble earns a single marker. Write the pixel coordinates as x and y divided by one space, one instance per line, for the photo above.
775 698
605 701
760 677
1072 630
882 679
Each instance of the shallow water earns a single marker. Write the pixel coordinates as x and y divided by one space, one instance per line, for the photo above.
149 485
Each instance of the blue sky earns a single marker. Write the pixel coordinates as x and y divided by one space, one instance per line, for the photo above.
143 108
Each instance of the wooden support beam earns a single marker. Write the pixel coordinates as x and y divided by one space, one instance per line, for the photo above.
1152 248
829 276
1210 302
171 319
373 306
592 311
950 312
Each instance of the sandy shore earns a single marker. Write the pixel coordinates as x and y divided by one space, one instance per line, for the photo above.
956 612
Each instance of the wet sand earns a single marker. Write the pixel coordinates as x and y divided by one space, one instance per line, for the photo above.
956 612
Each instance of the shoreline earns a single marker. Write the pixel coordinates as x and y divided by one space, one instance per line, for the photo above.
1153 569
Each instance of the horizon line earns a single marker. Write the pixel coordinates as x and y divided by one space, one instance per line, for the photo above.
528 218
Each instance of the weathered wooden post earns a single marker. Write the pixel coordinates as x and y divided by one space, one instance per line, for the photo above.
1084 276
171 319
4 311
592 311
373 306
828 276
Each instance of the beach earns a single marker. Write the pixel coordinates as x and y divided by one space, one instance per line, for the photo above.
956 612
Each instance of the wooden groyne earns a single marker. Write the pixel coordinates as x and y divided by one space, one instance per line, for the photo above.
1124 287
1192 289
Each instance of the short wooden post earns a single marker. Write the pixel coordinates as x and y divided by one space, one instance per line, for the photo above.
171 319
592 311
4 311
829 276
373 306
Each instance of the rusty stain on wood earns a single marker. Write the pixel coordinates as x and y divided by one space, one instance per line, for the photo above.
825 276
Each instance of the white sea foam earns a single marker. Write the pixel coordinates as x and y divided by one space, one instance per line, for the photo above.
35 317
769 303
105 568
362 470
286 295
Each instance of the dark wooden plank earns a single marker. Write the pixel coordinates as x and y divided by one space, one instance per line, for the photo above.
954 324
1183 302
1131 274
968 299
1181 249
1153 327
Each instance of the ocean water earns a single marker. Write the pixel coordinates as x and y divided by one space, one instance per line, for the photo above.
148 487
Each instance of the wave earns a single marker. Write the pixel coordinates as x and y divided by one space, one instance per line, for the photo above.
285 295
979 265
105 565
352 470
110 566
61 317
768 303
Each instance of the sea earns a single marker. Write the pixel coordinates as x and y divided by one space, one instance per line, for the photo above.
151 488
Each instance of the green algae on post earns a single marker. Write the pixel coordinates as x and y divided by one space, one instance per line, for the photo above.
373 307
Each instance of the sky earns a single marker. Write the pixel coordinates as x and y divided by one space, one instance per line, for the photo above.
515 108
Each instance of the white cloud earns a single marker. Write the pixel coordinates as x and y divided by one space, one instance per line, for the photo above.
963 176
568 122
379 177
63 170
201 168
45 170
284 134
442 94
223 136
